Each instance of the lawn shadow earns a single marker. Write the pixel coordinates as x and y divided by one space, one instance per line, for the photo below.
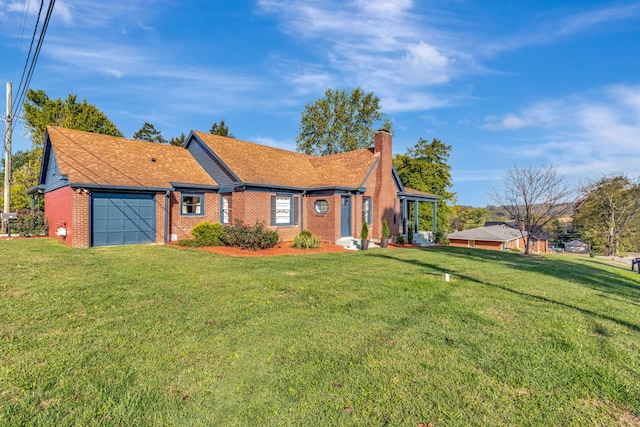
588 276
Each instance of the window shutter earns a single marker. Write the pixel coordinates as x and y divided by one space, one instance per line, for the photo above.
273 210
294 202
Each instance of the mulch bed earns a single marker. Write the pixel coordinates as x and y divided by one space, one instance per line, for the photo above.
284 248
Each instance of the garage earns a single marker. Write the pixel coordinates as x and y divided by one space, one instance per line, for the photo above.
122 218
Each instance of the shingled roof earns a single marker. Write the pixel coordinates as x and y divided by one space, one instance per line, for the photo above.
493 233
260 164
94 159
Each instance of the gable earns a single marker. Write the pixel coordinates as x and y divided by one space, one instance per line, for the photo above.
50 177
210 162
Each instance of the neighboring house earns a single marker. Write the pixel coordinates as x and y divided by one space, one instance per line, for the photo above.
497 237
538 238
576 247
103 190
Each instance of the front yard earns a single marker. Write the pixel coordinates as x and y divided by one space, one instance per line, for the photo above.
153 335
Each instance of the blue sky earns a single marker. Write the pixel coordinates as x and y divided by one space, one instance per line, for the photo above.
503 83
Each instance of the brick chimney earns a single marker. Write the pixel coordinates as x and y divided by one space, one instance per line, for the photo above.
385 189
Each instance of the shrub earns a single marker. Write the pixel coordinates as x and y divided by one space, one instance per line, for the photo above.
306 240
192 243
385 229
29 224
250 236
364 233
410 235
209 234
400 240
441 236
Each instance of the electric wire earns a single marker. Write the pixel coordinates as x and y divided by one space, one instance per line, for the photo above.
22 91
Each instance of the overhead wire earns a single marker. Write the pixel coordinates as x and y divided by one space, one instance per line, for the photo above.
25 13
23 89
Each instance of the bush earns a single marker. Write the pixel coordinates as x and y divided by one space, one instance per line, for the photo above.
306 240
364 233
250 236
441 236
209 234
410 235
29 224
400 240
385 229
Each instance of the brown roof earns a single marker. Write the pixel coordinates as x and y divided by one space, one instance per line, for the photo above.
259 164
417 192
90 158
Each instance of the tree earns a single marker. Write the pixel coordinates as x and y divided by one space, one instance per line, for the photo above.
220 129
178 140
534 196
339 122
465 218
41 111
424 167
148 132
607 213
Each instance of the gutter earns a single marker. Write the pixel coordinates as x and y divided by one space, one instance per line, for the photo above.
166 217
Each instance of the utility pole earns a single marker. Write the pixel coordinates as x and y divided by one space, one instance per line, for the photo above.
7 163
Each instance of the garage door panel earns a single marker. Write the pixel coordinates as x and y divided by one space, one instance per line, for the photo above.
123 219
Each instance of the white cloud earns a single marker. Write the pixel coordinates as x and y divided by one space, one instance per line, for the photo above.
596 133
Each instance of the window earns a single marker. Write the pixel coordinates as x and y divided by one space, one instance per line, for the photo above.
321 207
192 204
366 210
226 209
284 210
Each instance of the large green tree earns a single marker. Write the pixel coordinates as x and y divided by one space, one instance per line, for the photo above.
40 111
424 167
339 122
148 132
221 129
608 212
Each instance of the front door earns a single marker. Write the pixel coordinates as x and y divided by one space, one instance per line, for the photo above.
345 217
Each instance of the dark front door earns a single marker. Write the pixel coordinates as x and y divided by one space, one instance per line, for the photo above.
345 217
122 219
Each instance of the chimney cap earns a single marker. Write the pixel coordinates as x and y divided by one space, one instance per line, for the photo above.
383 130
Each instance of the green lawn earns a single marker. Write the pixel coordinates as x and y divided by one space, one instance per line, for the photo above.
153 335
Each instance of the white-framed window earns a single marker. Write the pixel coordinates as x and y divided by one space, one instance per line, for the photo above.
225 214
284 210
321 207
366 210
192 204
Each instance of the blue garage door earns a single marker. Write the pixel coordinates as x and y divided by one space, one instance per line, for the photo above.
122 219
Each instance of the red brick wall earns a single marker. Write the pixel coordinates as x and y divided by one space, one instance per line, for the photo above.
57 210
256 206
326 227
181 225
80 201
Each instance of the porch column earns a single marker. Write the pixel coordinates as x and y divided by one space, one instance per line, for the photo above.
435 216
404 216
415 216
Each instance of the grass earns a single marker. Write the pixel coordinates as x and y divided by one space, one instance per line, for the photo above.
153 335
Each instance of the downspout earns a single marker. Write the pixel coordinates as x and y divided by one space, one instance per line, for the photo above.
304 192
166 217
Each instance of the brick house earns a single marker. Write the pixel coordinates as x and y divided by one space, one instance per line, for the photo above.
102 190
501 236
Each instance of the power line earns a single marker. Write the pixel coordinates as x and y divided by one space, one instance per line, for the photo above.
34 60
25 13
33 37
